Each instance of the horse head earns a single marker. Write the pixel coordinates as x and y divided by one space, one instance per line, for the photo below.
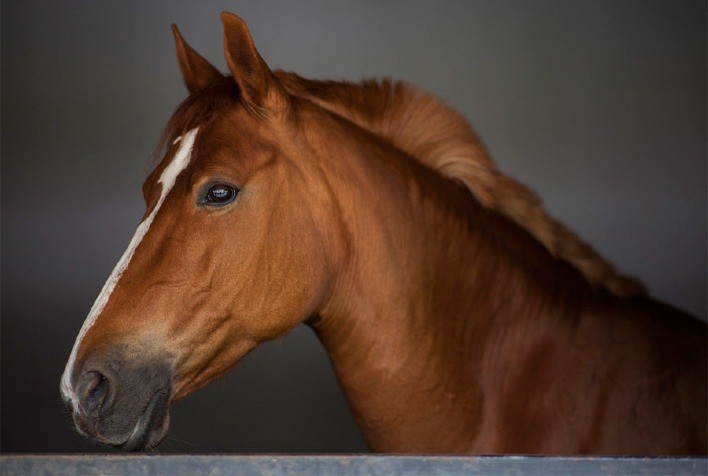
230 251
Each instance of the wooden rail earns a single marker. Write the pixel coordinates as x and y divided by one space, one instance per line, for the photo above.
282 465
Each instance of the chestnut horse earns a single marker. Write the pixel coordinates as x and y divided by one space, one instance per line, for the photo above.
459 317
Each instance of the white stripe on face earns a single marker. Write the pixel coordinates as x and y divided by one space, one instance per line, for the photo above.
167 179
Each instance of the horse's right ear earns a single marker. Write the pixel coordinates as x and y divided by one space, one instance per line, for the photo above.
196 71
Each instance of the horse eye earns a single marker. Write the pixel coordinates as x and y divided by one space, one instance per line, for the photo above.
220 194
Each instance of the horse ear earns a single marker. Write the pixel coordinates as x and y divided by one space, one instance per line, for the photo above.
257 85
196 71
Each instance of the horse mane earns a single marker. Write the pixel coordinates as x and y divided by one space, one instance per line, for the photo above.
428 130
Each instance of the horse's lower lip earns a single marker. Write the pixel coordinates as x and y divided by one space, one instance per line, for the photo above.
153 417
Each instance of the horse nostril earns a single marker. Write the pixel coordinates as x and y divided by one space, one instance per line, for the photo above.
92 391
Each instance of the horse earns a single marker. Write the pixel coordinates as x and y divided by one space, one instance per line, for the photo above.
458 315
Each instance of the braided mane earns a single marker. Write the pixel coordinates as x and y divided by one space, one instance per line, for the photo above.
427 129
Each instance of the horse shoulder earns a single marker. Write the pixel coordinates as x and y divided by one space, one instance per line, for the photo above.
648 367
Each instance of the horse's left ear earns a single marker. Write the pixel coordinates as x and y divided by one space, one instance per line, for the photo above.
258 87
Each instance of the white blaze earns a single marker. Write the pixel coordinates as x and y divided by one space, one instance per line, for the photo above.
167 179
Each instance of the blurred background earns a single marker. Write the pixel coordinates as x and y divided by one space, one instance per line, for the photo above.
600 106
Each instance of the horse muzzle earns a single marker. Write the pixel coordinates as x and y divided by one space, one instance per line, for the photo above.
121 402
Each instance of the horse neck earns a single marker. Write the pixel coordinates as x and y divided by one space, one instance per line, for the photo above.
430 284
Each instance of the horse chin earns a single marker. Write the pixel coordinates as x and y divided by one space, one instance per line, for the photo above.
152 425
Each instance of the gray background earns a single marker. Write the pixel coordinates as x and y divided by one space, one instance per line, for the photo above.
599 106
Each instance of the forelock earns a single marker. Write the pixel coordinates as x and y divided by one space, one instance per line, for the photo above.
198 109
